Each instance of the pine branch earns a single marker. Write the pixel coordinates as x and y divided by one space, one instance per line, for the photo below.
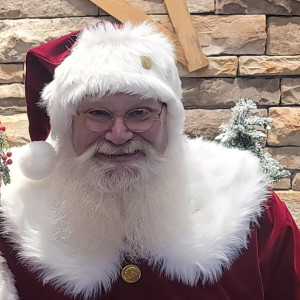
5 161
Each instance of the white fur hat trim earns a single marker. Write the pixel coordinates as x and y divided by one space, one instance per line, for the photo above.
107 58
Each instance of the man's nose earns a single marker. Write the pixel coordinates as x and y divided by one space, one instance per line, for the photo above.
119 133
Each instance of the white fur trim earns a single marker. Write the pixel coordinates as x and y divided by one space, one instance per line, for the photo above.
37 160
8 290
226 191
224 196
107 58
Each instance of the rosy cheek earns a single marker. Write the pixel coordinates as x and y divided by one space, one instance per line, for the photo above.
154 138
91 139
82 138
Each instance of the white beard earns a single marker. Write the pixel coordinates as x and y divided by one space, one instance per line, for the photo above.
118 209
116 177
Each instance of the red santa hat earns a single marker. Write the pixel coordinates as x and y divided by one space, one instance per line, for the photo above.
135 59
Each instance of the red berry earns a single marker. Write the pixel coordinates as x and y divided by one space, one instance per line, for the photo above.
9 161
4 157
2 128
9 154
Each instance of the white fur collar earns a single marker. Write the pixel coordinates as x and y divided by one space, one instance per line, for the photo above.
224 195
8 290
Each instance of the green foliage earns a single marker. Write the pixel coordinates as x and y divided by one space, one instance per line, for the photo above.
241 132
4 170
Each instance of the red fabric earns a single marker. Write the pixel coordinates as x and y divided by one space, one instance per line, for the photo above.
268 270
40 65
279 253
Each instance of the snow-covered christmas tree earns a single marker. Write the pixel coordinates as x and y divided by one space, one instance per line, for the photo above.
241 132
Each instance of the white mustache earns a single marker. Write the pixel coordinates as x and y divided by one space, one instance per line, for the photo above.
128 148
110 149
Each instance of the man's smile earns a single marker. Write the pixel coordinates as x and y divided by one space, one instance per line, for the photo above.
120 157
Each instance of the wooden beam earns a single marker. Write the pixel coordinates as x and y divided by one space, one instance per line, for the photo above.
186 34
123 11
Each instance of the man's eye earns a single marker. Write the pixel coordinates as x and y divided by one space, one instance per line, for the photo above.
141 113
98 113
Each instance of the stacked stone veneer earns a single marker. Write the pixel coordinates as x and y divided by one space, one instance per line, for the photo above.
253 49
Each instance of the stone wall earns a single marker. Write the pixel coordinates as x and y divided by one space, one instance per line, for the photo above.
253 49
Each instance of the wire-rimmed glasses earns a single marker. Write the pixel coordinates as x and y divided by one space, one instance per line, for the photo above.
136 120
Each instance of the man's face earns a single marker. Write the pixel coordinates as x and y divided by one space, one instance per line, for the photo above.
118 135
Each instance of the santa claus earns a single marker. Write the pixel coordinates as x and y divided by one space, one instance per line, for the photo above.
119 203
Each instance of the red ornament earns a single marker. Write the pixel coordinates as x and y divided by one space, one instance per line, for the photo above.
9 154
2 128
9 162
4 157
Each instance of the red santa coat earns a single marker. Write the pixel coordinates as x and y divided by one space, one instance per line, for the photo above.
268 269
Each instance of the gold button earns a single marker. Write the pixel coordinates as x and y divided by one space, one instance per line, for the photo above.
131 273
146 62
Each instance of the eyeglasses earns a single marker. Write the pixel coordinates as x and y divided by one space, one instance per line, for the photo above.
137 120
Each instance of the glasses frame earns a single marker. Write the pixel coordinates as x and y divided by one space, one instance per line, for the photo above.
83 116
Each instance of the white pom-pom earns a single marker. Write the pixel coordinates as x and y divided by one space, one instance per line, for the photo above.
37 160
